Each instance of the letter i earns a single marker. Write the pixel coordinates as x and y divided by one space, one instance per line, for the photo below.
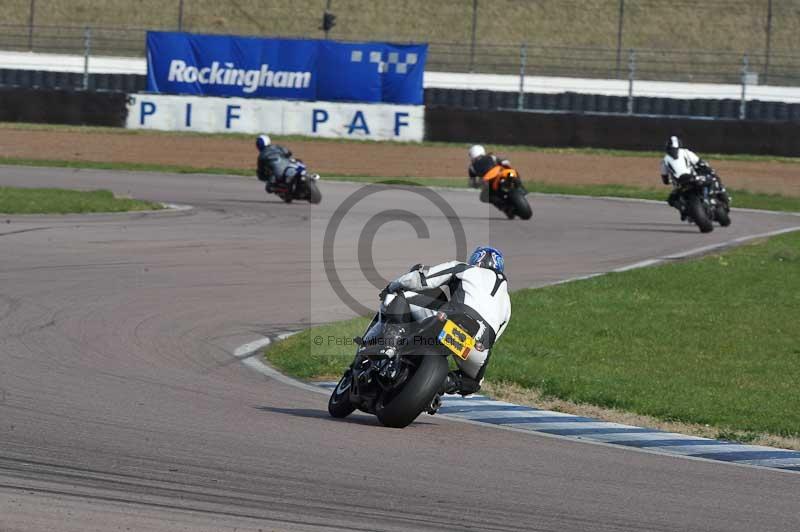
188 115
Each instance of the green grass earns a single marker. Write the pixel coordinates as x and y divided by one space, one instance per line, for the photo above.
741 198
714 341
60 201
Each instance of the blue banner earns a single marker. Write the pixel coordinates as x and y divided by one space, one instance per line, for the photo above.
221 65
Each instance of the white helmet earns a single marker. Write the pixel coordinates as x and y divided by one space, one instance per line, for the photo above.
476 151
263 141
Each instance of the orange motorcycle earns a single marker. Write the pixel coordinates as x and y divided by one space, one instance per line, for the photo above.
506 192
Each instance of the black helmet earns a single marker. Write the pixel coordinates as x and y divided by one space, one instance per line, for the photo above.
673 145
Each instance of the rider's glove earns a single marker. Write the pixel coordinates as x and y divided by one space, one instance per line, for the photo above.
391 288
665 179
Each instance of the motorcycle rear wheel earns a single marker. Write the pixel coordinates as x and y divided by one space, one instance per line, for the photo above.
416 395
698 214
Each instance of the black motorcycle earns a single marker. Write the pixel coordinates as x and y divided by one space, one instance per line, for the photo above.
702 199
400 365
303 188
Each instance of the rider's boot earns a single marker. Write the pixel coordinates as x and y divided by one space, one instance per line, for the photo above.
452 383
460 383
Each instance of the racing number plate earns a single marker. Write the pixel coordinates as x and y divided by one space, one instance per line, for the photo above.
456 339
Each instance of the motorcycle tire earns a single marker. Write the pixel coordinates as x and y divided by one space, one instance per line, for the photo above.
416 395
521 206
698 214
314 195
339 404
722 216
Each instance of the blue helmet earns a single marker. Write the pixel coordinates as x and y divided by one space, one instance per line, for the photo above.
488 257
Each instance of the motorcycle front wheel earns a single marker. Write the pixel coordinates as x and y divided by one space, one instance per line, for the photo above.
314 195
417 393
339 404
520 203
698 214
723 217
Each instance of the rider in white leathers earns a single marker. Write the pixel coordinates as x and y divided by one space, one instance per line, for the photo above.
478 288
676 162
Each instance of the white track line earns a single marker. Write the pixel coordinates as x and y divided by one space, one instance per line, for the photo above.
248 354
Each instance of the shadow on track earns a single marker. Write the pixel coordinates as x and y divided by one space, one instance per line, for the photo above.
323 415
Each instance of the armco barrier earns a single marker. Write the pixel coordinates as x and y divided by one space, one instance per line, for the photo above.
608 131
63 107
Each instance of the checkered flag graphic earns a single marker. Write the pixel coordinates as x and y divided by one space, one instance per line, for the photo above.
384 66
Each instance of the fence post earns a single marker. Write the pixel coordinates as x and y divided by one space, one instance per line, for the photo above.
523 58
631 77
743 102
472 39
180 15
31 14
87 48
619 34
769 41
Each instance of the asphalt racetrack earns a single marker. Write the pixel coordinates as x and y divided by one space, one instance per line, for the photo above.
123 408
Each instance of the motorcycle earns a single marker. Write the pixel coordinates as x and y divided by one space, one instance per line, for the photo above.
702 199
400 365
507 192
305 186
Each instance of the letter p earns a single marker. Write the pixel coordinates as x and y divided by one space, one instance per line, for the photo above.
318 116
146 109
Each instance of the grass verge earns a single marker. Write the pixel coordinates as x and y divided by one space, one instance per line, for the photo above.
741 198
711 343
501 148
60 201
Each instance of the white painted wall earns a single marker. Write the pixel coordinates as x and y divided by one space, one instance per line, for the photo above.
278 117
450 80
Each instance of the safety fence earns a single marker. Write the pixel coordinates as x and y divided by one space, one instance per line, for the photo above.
776 67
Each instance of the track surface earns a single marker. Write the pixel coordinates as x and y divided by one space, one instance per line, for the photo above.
121 406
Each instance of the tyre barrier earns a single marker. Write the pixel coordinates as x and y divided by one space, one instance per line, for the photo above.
580 130
598 103
54 106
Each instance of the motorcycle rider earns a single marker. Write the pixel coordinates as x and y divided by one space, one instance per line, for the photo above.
676 160
477 288
275 164
480 164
